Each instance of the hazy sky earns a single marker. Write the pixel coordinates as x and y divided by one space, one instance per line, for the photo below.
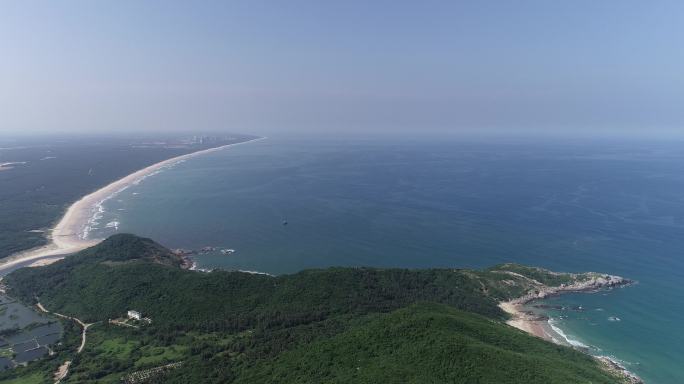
370 66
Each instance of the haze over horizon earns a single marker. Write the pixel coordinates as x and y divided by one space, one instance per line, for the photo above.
608 68
259 191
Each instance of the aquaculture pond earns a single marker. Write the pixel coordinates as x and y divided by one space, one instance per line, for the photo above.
25 334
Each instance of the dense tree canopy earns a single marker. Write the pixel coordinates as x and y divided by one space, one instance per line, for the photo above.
334 325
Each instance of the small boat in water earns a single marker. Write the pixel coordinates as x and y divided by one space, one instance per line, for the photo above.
227 251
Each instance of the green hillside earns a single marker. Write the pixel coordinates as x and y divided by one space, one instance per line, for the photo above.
428 343
317 326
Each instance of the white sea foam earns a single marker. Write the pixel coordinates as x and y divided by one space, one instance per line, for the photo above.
9 165
573 342
194 267
113 224
622 364
98 210
70 233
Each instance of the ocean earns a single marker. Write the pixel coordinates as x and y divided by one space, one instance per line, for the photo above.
287 204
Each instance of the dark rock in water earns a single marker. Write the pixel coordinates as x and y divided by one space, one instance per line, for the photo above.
183 252
577 308
619 370
582 348
546 306
535 316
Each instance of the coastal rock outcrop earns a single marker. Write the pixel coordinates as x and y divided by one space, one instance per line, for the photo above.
619 370
559 283
585 282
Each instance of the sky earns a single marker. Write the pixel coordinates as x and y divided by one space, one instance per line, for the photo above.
541 67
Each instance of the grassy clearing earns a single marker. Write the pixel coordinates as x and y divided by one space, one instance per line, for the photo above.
117 348
155 356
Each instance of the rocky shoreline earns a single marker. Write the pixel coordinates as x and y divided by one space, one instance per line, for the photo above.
585 282
619 370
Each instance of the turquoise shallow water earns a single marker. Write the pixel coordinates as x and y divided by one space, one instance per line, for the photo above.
611 207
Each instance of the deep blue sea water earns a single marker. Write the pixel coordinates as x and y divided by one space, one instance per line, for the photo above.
570 206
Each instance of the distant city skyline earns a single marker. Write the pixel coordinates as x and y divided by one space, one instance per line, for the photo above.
483 67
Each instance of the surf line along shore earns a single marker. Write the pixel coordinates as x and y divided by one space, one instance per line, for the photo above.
66 237
539 326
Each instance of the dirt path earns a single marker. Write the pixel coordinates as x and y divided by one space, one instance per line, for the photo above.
81 323
62 372
83 335
122 324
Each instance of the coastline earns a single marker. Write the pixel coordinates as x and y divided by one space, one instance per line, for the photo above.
540 326
68 235
528 322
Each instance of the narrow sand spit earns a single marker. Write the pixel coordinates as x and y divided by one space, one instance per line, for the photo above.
67 236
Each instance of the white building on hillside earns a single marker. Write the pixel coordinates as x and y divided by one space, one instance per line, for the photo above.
134 315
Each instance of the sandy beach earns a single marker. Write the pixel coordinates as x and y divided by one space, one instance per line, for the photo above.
68 235
538 326
528 322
